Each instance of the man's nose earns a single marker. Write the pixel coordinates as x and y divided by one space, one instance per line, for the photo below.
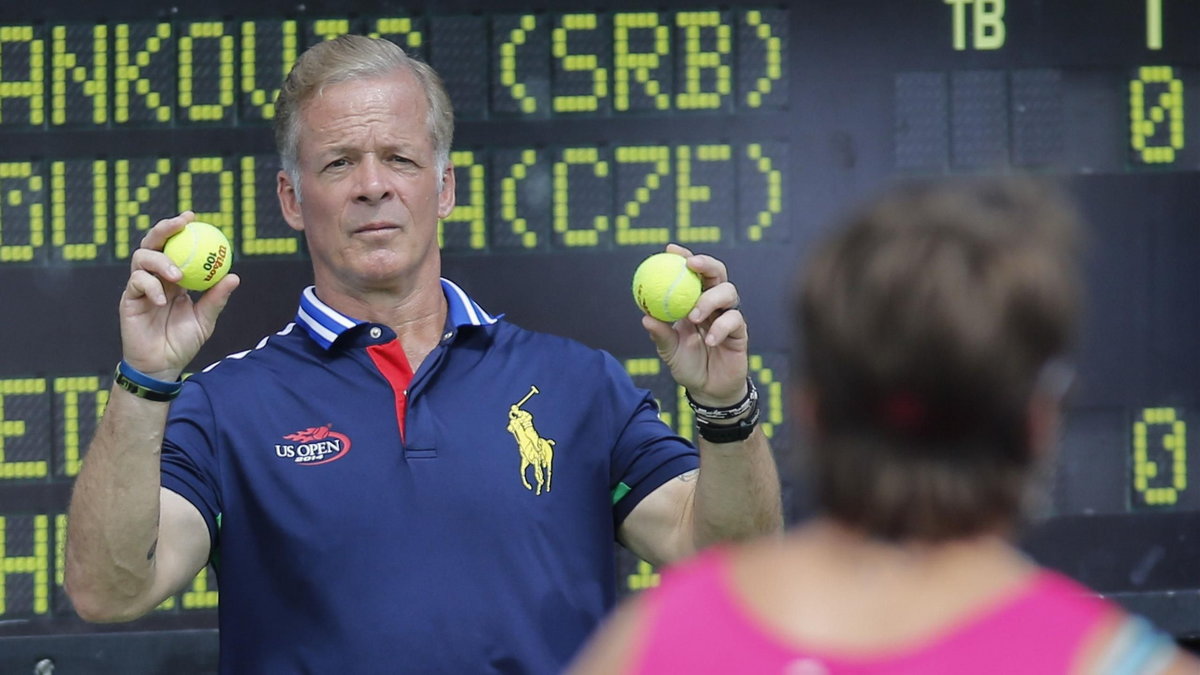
372 183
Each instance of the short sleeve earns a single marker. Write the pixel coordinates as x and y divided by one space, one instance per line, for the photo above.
646 453
189 464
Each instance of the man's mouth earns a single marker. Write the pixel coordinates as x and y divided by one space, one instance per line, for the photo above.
376 227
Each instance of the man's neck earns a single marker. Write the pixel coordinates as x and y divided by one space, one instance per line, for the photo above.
417 314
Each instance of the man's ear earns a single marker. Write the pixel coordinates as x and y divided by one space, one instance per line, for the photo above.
446 196
289 202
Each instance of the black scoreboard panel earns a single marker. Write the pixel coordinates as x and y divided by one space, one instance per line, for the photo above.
587 138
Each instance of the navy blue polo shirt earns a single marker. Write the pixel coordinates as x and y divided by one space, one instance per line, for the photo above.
460 519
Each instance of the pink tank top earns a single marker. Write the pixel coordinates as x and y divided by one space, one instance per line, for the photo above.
694 626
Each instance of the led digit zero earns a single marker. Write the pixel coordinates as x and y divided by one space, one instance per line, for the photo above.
1159 457
1155 115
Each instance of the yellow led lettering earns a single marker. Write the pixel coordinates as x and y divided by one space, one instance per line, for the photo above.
685 424
508 64
130 66
640 67
1159 457
658 160
987 18
471 211
33 568
770 395
60 549
21 208
71 76
198 36
773 69
774 205
63 225
651 368
1156 115
31 90
328 29
562 191
76 419
11 391
262 99
198 595
508 198
644 578
697 62
209 167
688 193
252 243
400 30
1154 26
989 24
131 218
959 22
586 63
643 366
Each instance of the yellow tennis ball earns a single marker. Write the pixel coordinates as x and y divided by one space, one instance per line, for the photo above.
202 252
665 288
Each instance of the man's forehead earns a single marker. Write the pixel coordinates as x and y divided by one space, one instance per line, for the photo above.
384 112
399 89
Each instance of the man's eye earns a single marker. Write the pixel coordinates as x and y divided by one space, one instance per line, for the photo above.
336 163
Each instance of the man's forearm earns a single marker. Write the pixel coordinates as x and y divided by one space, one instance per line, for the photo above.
112 528
737 494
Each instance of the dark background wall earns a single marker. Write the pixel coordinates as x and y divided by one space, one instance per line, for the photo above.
587 139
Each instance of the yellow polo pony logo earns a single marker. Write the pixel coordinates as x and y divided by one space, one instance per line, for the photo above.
535 451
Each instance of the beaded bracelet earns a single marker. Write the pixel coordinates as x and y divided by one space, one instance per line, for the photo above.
143 386
729 412
711 422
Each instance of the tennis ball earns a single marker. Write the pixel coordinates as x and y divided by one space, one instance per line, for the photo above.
665 288
202 252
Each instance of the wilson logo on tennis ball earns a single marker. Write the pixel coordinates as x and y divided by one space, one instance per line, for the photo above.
202 252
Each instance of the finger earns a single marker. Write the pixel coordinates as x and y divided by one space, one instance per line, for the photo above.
679 250
210 305
143 284
711 270
158 235
712 302
157 263
728 329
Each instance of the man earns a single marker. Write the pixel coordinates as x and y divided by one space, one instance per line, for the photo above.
398 481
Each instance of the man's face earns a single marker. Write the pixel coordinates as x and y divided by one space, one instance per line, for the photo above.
369 182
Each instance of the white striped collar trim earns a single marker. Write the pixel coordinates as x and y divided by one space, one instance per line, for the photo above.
325 324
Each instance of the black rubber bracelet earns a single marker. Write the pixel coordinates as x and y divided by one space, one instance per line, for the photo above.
728 433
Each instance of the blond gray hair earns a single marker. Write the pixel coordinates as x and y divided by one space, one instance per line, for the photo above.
351 57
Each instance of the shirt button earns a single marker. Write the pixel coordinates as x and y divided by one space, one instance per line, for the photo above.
376 331
447 336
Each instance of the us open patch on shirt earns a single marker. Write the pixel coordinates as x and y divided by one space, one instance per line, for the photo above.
313 446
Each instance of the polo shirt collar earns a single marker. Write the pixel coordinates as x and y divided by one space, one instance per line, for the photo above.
325 324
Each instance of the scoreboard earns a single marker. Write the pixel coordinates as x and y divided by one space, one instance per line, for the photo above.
586 139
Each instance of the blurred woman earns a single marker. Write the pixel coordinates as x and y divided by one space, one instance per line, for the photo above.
935 328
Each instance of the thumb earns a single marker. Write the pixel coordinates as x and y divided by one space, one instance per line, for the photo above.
663 334
210 305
